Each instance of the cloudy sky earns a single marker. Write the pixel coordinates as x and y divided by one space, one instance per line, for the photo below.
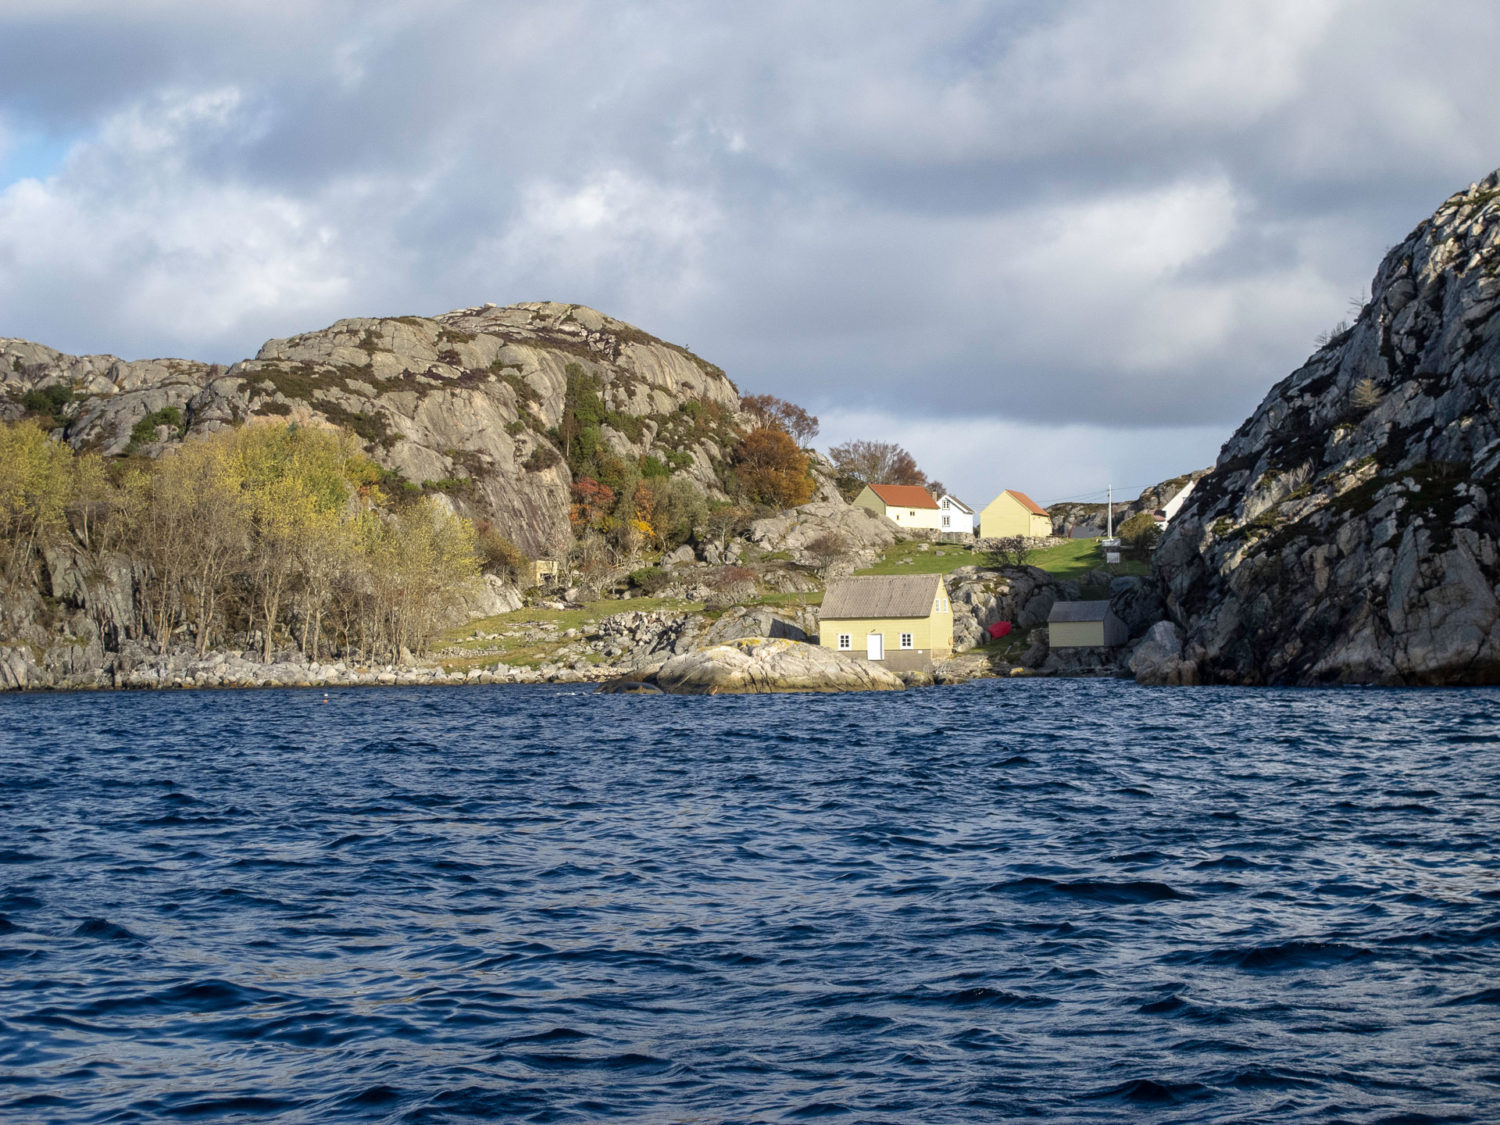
1044 245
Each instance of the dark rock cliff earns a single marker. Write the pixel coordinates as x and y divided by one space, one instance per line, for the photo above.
1348 531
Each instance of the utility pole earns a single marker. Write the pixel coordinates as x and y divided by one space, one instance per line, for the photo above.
1109 512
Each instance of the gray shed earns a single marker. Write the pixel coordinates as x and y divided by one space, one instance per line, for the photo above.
1085 625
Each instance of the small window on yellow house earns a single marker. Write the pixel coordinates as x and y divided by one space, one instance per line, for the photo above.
906 640
846 641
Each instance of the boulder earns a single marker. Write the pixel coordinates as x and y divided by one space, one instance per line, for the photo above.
861 533
754 665
1158 659
1137 602
758 621
490 597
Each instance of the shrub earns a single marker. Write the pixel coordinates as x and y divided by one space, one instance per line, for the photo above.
498 555
47 402
650 579
731 584
542 457
1365 395
827 547
144 431
1140 531
1010 550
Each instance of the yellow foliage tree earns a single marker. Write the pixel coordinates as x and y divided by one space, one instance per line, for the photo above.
36 485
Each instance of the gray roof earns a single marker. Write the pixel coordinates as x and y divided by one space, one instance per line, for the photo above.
893 595
1078 611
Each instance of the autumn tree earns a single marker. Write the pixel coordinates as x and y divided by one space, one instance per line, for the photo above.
592 504
876 462
191 528
420 559
36 484
772 470
295 483
770 411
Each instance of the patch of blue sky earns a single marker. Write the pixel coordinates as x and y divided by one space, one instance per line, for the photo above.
28 156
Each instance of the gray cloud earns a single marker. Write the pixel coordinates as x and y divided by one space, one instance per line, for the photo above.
1045 215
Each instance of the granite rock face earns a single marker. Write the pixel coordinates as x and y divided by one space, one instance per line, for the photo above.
860 533
1348 531
756 665
467 396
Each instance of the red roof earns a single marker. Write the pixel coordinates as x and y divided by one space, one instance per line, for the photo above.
904 495
1028 503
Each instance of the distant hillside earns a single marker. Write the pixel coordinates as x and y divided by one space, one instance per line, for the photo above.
1070 514
489 405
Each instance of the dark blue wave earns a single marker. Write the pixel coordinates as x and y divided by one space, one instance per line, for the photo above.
1060 901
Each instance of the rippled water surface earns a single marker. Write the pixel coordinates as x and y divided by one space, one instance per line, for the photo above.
1074 901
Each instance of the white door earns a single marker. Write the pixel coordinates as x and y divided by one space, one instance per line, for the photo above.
875 646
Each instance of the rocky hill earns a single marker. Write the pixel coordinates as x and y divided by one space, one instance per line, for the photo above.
1348 531
468 402
1069 514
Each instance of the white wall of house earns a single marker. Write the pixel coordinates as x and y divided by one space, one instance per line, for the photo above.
1174 505
952 517
929 518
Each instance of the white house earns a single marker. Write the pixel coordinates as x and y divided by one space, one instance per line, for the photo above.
1169 510
956 515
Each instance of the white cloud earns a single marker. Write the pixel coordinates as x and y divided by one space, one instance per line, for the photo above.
613 226
150 249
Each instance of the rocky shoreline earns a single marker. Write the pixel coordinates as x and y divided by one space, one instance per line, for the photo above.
621 646
235 669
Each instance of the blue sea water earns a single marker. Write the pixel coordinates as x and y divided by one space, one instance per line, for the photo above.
1056 900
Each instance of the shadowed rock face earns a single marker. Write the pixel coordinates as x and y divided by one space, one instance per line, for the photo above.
468 394
1348 531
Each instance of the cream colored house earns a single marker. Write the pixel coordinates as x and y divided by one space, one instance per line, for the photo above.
906 504
543 572
1085 625
1014 513
902 620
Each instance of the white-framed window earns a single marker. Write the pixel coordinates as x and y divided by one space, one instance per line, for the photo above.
911 511
946 517
906 641
846 641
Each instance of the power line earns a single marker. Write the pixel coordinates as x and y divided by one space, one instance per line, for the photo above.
1101 494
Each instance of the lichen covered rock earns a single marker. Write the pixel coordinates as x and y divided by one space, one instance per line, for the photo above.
754 665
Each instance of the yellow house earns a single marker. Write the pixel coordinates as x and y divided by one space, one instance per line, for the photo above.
909 505
1085 625
903 620
1014 513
